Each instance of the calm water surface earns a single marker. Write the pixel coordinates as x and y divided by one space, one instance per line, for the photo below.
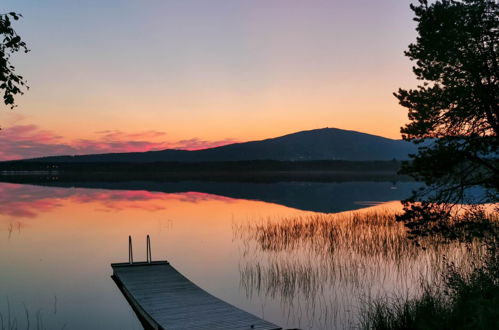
57 244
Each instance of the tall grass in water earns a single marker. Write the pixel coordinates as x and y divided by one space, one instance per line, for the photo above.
465 299
16 318
322 268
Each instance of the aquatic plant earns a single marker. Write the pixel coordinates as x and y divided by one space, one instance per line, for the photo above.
464 300
329 264
20 317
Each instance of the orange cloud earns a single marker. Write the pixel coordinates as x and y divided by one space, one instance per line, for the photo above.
29 141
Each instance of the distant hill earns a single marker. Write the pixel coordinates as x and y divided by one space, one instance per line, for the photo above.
319 144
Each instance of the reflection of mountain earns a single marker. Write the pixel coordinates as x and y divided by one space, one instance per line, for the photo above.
310 196
319 144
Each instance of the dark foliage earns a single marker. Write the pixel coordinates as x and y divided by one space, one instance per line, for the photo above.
10 42
454 114
426 219
242 171
466 299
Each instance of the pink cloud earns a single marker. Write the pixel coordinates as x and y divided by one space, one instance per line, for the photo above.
30 141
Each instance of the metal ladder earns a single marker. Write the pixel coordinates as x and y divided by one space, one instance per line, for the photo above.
148 250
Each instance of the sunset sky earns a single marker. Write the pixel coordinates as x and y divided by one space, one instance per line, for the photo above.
131 75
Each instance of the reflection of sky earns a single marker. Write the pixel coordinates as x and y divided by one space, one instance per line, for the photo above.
26 201
29 200
66 253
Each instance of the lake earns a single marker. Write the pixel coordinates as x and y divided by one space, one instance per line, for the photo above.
57 242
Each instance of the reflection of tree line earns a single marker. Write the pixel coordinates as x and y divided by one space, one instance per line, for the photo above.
29 200
321 267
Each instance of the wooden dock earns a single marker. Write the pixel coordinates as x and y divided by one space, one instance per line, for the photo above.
165 299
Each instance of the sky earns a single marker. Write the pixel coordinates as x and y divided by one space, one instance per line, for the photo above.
132 75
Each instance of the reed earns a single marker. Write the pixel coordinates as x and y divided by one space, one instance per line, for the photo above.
464 300
18 317
332 264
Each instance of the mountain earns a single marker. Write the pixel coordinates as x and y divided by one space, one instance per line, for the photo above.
318 144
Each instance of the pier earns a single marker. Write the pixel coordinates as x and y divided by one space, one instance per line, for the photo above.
165 299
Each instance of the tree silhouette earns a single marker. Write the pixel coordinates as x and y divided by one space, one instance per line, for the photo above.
10 82
454 113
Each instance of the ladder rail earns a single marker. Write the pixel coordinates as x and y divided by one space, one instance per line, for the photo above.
148 250
130 250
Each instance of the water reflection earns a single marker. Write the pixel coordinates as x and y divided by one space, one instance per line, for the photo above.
65 249
28 200
14 227
324 266
16 315
295 268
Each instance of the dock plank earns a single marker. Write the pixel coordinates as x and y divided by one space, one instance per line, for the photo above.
165 299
